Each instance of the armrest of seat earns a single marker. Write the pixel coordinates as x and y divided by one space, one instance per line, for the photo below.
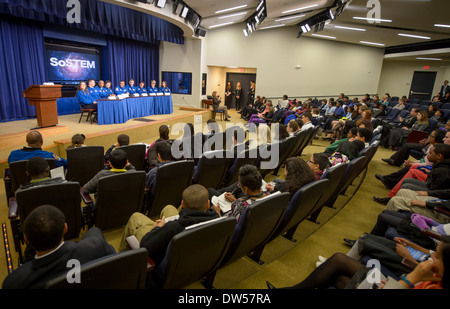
442 210
13 208
86 197
433 234
8 184
133 242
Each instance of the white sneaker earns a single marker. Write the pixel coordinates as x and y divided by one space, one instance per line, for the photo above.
322 259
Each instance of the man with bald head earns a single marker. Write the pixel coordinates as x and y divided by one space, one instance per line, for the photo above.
34 149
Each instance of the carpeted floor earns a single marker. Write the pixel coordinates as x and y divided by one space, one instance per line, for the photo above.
286 262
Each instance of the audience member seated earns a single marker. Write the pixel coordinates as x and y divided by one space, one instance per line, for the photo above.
307 124
122 140
119 164
47 253
250 182
318 162
423 179
77 141
155 236
402 129
164 154
151 150
392 179
292 128
364 135
399 158
213 128
350 137
39 173
297 174
346 151
339 270
34 149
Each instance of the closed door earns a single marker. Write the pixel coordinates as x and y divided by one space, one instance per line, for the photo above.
244 79
422 85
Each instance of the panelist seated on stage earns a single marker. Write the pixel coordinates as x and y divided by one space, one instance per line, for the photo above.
101 89
141 89
86 99
164 89
121 89
92 89
108 90
152 88
132 89
34 149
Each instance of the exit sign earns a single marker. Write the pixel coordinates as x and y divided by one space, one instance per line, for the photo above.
426 67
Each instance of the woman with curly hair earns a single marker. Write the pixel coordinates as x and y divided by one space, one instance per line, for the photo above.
297 174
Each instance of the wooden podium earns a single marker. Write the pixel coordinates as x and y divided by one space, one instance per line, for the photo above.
44 98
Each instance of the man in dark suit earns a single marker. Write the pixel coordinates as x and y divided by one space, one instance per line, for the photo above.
445 88
44 230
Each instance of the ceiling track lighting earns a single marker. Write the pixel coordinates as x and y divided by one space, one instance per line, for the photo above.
318 21
256 18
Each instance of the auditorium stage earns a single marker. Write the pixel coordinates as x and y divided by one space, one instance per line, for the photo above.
56 139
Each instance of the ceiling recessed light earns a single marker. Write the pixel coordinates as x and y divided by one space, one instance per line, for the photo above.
441 25
371 43
415 36
232 15
231 9
219 25
292 17
324 36
420 58
300 9
275 26
350 28
374 19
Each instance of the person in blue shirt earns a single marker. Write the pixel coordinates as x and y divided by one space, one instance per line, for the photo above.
141 89
152 88
339 111
121 89
86 99
101 89
95 93
164 88
108 90
132 89
34 149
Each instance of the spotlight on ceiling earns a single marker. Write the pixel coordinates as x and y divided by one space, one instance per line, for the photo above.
161 3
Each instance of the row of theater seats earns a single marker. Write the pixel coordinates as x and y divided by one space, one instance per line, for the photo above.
121 195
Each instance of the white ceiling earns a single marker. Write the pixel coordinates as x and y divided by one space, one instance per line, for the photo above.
413 17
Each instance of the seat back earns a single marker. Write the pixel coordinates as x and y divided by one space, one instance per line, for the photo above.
335 175
256 225
431 125
301 205
83 163
64 196
125 270
245 157
136 155
118 197
171 180
285 150
305 139
393 113
266 162
355 167
211 169
194 253
18 172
